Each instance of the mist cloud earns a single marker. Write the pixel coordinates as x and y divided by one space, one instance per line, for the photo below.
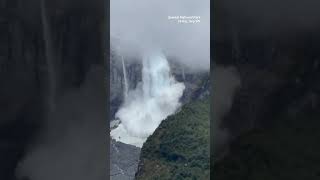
155 98
141 26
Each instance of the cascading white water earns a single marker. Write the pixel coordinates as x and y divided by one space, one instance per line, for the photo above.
155 98
183 75
49 56
126 85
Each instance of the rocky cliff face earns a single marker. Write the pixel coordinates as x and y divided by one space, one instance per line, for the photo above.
77 45
124 161
133 70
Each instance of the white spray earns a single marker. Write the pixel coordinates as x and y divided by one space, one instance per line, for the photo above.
126 85
155 98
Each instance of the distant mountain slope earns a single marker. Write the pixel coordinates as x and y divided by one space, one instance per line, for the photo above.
179 148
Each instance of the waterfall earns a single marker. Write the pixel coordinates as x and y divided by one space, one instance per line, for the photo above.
156 76
155 98
51 89
183 75
126 85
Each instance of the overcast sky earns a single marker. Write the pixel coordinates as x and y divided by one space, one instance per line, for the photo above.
143 25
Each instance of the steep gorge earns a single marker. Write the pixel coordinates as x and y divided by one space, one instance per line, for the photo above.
197 87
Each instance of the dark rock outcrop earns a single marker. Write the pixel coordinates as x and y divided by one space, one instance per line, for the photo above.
123 160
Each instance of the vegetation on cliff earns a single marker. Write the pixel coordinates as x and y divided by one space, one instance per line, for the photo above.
179 148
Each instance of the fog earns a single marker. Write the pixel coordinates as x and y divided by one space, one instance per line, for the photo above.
142 26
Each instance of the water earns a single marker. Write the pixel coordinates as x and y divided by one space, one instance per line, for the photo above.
155 98
183 75
49 57
126 86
